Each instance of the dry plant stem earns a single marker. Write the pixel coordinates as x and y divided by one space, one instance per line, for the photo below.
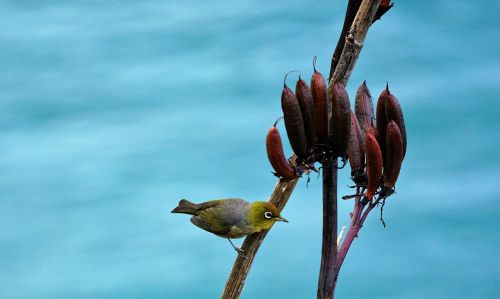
241 267
329 247
352 9
354 41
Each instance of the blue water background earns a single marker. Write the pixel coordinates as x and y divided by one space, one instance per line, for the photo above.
111 111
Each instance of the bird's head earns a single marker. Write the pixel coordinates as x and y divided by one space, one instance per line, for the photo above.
263 215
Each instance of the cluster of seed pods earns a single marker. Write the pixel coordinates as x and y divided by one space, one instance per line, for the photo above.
311 136
374 141
378 142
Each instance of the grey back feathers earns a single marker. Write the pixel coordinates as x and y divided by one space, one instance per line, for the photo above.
225 217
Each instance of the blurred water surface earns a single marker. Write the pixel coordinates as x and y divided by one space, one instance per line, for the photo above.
111 111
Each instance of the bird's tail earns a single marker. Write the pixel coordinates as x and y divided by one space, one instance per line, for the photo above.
186 207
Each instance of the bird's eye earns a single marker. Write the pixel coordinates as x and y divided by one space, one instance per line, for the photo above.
268 215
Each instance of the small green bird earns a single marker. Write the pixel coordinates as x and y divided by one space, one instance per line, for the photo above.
232 217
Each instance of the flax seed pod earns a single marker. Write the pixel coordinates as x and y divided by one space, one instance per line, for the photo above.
394 152
319 94
382 117
304 96
375 133
363 107
373 165
355 151
394 112
341 119
276 155
294 122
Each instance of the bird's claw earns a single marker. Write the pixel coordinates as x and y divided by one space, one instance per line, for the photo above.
241 252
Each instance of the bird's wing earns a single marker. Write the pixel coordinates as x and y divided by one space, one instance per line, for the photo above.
203 224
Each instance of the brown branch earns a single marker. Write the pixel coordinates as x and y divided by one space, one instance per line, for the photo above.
251 245
352 9
354 42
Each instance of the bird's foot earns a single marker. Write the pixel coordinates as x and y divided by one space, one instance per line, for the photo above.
241 252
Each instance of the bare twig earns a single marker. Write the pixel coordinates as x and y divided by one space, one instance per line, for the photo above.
251 245
354 41
352 9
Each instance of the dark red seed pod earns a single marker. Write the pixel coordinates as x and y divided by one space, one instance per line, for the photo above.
363 107
355 151
276 155
319 94
384 7
375 133
294 122
382 118
304 96
394 112
341 119
373 165
394 151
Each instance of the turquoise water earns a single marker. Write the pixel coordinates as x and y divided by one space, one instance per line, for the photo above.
110 112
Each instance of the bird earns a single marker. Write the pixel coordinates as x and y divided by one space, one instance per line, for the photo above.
231 218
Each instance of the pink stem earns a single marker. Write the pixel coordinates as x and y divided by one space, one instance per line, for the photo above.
358 218
356 211
365 214
352 232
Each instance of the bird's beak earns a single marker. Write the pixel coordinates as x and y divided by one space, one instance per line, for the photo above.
281 219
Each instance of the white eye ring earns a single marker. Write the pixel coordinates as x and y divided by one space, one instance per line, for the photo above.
268 215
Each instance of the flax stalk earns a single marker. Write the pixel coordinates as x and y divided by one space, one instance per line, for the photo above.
352 47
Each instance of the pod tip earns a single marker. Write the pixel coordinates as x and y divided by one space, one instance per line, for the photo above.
284 80
276 122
